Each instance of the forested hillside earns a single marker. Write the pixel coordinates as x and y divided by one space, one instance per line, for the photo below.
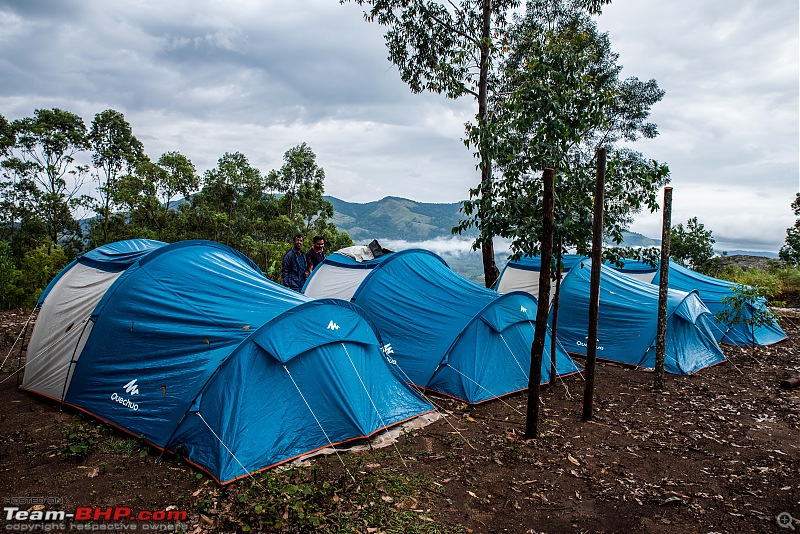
401 218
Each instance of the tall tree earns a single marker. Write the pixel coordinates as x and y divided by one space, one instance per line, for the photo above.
301 182
229 199
7 137
790 252
299 175
18 198
114 150
448 48
48 141
161 183
562 98
692 246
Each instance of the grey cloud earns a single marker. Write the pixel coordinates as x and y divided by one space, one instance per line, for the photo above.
205 77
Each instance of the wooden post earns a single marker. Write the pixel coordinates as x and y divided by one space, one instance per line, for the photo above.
663 285
554 327
543 308
594 289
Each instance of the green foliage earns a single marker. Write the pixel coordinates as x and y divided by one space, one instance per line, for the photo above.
316 500
691 246
562 98
7 137
227 205
8 276
139 198
767 280
746 306
21 285
47 143
790 252
300 181
120 445
79 440
649 255
114 149
449 48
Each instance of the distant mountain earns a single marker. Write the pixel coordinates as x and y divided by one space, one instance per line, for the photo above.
403 219
772 255
395 218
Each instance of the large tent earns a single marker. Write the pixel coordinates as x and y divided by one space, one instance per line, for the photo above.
628 318
712 291
189 346
446 333
523 274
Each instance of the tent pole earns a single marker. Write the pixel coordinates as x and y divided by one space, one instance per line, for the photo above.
69 367
556 296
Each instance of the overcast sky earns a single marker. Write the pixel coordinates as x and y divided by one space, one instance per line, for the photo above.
206 77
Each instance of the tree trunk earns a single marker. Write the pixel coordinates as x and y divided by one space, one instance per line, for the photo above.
594 290
663 285
540 333
490 271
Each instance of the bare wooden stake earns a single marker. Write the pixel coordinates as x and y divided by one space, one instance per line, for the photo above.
543 308
663 284
594 287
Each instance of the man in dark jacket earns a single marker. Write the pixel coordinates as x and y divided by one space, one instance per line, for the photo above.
316 254
294 265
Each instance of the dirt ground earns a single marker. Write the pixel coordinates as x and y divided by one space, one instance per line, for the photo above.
716 452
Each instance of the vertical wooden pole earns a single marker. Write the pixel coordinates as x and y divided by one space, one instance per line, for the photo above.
663 285
554 327
594 289
543 308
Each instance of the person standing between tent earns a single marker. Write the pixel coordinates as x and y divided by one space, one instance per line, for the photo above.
315 255
294 265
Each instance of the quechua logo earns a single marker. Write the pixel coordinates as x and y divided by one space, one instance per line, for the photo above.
131 388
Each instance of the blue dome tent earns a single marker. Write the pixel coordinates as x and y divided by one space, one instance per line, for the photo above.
523 274
627 322
447 334
712 291
191 347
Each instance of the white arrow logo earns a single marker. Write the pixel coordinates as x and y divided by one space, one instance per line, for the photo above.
523 309
131 388
333 326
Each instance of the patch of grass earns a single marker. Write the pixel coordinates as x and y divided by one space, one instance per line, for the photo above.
314 499
119 445
79 440
780 282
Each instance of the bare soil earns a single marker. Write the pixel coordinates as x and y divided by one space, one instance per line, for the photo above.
718 451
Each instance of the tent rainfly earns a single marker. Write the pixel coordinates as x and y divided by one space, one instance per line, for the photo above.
446 334
628 318
523 274
191 347
712 291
